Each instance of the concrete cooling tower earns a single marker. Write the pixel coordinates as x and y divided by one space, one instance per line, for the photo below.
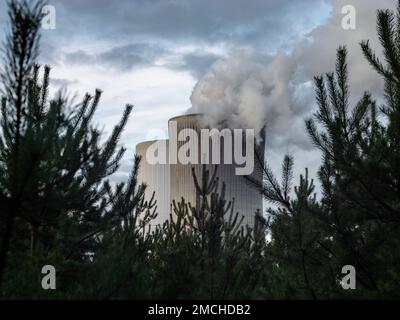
247 200
182 184
157 178
175 181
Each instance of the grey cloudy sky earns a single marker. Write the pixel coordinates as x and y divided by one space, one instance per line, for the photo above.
163 55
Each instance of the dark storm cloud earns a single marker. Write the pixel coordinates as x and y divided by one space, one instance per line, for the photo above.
197 63
133 54
120 57
124 58
235 21
140 31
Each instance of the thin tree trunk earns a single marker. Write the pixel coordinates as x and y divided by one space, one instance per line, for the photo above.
303 262
5 245
303 258
34 231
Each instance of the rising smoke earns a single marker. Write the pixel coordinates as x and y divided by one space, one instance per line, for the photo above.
253 90
249 90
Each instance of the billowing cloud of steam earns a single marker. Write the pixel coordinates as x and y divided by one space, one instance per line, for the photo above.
251 90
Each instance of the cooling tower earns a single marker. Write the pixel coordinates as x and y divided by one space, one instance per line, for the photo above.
171 179
156 176
247 199
182 183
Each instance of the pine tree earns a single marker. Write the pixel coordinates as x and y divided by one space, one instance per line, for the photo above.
205 250
360 174
356 221
56 198
20 54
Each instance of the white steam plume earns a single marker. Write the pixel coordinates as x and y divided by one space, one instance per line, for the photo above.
249 90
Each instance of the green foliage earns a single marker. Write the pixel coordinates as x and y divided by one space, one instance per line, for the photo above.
195 255
205 251
356 221
55 198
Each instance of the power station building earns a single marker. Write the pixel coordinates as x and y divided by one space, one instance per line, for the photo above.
170 177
